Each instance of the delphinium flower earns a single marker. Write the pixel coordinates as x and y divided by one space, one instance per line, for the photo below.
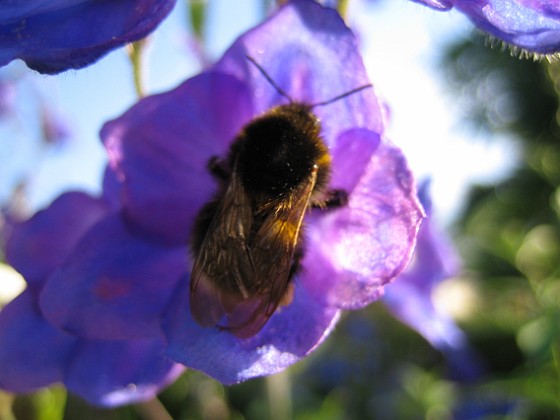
34 353
531 27
53 36
128 276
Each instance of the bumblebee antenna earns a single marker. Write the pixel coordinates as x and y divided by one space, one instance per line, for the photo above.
269 79
343 95
285 95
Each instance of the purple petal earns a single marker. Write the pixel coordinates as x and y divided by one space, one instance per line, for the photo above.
114 285
112 188
53 36
39 245
160 149
550 7
112 373
291 334
33 353
350 157
530 26
533 25
414 307
310 53
353 251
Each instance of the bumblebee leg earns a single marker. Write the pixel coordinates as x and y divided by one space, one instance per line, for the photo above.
219 168
296 260
334 200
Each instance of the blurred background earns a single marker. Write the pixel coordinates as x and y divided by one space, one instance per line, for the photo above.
481 124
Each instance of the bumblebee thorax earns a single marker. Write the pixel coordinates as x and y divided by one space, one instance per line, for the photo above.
277 151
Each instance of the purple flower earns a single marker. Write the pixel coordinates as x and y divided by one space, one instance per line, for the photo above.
56 35
34 354
533 25
127 277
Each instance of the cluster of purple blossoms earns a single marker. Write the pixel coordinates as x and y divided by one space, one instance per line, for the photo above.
106 309
34 353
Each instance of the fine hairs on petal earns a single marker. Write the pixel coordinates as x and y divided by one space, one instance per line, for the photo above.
519 52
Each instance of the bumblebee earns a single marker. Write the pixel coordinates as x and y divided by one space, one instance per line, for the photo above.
247 241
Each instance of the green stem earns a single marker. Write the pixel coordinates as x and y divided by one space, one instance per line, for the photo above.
135 53
343 8
153 410
197 16
6 406
279 396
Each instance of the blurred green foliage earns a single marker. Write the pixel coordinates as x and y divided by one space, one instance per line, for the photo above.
509 233
197 17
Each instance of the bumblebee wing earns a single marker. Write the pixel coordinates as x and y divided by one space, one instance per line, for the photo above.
272 253
223 266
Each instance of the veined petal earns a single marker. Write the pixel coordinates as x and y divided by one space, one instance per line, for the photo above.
353 251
